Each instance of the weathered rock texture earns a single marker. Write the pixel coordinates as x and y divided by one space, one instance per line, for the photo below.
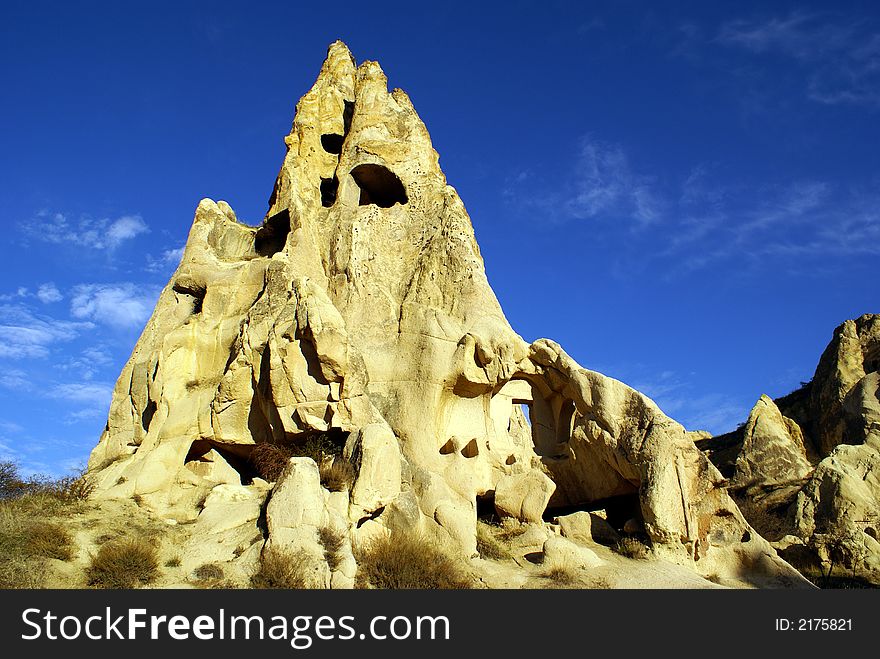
815 473
360 311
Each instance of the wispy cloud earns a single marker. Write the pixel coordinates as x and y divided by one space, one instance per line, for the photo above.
15 379
718 413
602 185
166 261
98 234
24 335
92 393
124 305
840 57
49 293
92 399
605 185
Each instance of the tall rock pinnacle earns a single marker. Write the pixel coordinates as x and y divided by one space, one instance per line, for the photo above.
359 313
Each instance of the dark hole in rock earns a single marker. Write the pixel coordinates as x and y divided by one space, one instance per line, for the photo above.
871 531
511 459
618 509
329 187
347 114
447 448
746 537
196 294
272 236
379 186
486 506
470 450
235 455
147 416
332 142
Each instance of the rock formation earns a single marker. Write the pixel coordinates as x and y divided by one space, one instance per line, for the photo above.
359 314
811 478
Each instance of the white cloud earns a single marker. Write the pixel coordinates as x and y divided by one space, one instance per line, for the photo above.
49 293
24 335
606 186
124 305
99 234
13 378
840 58
89 393
167 261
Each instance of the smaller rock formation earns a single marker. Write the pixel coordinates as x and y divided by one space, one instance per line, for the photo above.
829 515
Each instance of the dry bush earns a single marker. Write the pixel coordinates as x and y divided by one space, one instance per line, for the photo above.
338 475
285 570
270 460
631 547
48 540
332 541
125 563
488 545
561 576
405 561
209 572
173 562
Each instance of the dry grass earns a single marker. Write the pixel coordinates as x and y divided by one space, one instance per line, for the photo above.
209 572
49 540
404 561
561 576
338 475
488 544
28 533
125 563
632 547
270 460
285 570
332 541
173 562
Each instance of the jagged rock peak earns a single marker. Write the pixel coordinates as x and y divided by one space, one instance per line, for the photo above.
359 316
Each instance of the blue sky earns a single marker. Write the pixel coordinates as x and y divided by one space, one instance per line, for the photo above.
684 195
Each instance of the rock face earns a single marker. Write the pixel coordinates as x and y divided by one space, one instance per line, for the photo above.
834 509
360 313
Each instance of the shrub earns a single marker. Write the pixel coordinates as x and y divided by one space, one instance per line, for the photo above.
561 576
209 572
404 561
631 548
173 562
285 570
124 563
337 476
48 540
270 460
332 541
488 545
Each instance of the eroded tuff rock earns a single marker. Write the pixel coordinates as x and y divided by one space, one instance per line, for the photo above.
805 468
360 312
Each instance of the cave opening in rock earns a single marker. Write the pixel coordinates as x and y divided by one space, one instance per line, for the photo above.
194 295
379 186
485 504
209 459
147 416
329 188
332 142
530 411
272 236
